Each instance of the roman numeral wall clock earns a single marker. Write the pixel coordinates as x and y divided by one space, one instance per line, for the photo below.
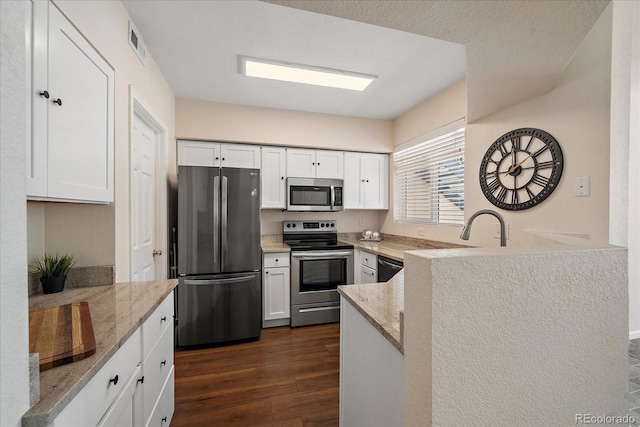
521 169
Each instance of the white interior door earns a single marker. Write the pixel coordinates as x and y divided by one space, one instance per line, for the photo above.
142 200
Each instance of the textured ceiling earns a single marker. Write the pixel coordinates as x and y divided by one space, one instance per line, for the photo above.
516 50
196 46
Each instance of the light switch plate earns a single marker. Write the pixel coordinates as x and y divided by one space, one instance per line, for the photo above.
582 187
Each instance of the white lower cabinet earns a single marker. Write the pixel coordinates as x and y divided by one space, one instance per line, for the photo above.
163 411
156 368
134 388
366 265
276 290
95 399
371 374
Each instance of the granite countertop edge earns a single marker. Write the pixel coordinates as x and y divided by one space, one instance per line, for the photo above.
391 334
40 414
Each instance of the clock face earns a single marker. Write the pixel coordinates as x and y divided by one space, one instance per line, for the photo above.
521 169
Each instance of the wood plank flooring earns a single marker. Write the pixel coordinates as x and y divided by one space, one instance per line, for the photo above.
288 378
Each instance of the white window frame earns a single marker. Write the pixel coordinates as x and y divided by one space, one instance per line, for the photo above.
418 199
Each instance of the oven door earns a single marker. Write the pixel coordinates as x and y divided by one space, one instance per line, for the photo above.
315 275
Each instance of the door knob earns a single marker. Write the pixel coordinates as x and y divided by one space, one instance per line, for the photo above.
157 252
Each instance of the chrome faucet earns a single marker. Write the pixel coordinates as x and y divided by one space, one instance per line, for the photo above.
466 230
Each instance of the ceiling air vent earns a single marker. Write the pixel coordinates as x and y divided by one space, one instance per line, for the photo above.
136 43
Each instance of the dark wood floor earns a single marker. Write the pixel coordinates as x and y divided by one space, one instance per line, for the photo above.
288 378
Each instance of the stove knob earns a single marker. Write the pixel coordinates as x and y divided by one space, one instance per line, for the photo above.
321 225
288 225
333 225
294 226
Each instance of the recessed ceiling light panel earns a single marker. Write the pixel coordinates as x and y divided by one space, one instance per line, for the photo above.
307 74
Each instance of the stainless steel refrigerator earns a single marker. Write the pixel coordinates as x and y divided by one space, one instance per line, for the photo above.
219 295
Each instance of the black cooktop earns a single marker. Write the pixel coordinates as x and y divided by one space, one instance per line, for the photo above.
302 245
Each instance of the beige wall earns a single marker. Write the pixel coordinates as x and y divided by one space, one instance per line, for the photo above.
575 112
439 110
226 122
99 234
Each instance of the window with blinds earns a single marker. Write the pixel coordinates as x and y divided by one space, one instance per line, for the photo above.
428 183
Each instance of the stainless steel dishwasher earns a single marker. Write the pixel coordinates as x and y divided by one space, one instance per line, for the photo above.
387 268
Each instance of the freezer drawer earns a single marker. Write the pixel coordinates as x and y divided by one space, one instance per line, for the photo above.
218 309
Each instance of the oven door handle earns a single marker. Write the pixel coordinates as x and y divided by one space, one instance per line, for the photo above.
310 255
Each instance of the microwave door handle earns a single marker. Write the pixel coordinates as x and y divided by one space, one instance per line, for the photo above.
333 196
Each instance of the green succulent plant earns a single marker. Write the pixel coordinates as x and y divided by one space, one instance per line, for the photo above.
53 265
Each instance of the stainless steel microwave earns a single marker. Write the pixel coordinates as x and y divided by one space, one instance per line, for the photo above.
314 194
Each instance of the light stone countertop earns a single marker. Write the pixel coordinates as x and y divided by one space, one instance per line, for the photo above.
116 312
393 246
380 304
272 243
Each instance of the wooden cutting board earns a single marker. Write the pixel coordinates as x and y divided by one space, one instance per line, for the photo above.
61 334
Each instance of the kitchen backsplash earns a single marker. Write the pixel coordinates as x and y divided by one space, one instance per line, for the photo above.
79 277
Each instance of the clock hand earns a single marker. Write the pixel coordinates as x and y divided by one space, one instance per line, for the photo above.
512 168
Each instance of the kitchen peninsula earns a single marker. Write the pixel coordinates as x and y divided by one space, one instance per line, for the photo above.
485 327
118 313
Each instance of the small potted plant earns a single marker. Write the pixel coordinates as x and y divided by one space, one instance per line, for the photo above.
53 270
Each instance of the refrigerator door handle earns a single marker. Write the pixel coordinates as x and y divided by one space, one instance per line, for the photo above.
225 232
219 281
216 222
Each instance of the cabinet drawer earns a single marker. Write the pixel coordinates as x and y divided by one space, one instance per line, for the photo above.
368 275
369 259
153 327
155 369
120 414
280 259
88 407
163 411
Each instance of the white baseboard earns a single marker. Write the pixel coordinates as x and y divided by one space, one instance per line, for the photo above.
634 335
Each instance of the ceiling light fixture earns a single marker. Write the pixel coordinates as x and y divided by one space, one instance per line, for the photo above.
307 74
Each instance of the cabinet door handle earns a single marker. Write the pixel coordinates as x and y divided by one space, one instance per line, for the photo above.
282 177
58 101
45 93
318 163
114 380
164 419
367 180
141 380
223 159
266 272
164 362
163 319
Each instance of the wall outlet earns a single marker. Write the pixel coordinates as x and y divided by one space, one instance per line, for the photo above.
361 221
420 231
496 231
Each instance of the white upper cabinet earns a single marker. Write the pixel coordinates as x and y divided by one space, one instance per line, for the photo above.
240 156
274 178
303 163
366 181
70 155
216 154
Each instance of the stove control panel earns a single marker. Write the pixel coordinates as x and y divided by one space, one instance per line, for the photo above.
306 226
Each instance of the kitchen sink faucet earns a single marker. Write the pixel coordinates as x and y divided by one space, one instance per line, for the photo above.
466 230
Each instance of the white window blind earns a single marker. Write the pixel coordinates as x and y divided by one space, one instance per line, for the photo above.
428 183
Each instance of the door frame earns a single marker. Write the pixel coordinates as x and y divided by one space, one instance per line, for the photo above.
139 108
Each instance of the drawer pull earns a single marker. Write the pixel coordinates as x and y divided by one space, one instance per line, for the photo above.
276 259
163 319
114 380
141 380
58 101
45 94
164 362
164 419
